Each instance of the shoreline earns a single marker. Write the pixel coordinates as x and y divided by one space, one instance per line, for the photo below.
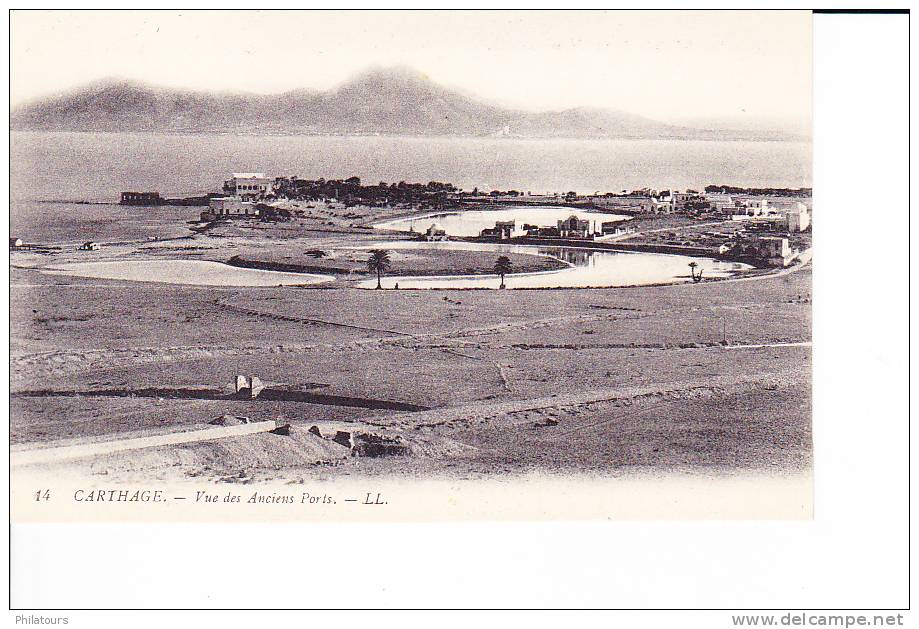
799 139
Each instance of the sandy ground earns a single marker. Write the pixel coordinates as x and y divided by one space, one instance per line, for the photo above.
713 377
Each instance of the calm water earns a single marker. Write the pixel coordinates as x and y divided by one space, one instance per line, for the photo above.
70 223
97 167
473 222
191 272
588 268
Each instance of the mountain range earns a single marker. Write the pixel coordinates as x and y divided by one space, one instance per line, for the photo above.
394 101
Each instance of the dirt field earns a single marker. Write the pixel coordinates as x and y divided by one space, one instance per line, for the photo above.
709 377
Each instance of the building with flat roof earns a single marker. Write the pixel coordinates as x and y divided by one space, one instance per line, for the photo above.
504 230
721 202
613 228
775 250
229 207
798 219
685 200
141 198
249 186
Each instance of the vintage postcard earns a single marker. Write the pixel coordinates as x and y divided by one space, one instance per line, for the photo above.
410 265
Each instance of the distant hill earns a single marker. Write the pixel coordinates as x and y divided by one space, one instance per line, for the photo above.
388 101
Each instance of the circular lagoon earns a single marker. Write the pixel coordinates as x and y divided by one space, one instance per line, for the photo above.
472 222
588 268
187 272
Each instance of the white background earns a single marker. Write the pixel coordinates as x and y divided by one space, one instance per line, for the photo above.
853 555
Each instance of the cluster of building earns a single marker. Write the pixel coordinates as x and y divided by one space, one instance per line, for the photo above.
647 201
794 214
242 192
571 228
242 196
758 216
761 222
744 242
753 240
640 202
773 250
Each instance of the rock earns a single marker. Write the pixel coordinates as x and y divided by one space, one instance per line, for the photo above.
344 438
230 420
372 445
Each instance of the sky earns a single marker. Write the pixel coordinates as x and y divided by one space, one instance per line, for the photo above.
746 66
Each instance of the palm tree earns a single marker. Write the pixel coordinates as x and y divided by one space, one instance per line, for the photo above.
378 263
502 267
692 270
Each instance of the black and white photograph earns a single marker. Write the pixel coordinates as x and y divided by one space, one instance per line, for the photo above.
462 289
382 263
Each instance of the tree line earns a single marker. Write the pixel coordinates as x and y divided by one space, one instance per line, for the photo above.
776 192
351 191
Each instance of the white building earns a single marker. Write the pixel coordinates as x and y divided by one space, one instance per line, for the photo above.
756 207
612 228
503 230
798 218
776 251
248 186
682 200
721 202
231 207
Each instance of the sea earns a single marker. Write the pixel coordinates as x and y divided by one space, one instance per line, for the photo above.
54 174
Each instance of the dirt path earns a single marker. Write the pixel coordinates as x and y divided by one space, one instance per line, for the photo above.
762 345
305 320
101 448
485 411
